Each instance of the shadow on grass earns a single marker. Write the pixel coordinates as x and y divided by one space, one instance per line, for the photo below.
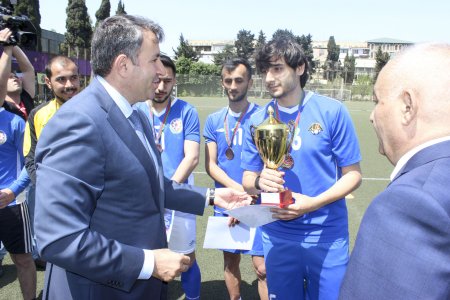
214 289
9 275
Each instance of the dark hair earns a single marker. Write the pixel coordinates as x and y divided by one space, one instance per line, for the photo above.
168 62
119 34
232 63
285 48
62 59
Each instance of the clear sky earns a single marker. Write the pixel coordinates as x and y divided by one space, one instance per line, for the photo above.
346 20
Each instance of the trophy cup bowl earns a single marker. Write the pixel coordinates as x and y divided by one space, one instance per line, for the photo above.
272 139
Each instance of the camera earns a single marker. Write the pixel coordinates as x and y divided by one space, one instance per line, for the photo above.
23 31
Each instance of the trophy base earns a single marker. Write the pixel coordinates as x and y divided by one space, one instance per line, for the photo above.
282 199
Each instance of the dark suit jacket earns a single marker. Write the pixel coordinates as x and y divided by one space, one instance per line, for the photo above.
402 250
100 201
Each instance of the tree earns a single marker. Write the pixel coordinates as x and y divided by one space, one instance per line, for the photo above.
30 9
306 43
261 41
332 62
103 12
381 59
227 53
185 50
349 69
283 33
78 26
121 8
244 44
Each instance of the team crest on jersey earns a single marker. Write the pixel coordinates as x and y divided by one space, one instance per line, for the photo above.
3 137
176 126
315 128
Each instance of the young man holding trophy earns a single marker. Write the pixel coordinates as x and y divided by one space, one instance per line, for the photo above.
317 160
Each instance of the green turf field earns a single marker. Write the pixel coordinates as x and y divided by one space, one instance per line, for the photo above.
376 171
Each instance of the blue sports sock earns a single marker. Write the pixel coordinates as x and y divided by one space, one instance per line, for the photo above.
190 281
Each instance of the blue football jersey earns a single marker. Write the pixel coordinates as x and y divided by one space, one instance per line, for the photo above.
214 131
12 128
324 142
181 124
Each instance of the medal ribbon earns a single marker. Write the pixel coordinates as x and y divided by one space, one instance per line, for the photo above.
297 119
236 126
157 137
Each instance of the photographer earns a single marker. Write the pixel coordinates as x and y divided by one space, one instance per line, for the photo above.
16 102
16 94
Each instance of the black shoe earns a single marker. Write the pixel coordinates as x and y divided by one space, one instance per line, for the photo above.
40 264
1 268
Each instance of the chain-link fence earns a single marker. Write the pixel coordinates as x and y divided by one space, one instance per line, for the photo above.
209 86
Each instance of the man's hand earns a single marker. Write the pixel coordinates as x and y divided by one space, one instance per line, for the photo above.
5 34
229 198
303 204
6 197
169 264
232 221
271 180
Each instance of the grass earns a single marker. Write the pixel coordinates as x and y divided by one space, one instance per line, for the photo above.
375 168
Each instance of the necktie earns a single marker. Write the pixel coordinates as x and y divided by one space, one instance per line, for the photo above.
137 124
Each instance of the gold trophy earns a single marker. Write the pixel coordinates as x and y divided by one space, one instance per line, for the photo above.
273 139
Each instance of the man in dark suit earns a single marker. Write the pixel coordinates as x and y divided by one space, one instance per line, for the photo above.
101 191
403 246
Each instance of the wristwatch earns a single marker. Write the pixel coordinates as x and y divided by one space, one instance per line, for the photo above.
257 183
211 196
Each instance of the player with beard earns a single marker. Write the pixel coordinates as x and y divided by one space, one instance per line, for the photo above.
306 250
176 130
61 77
223 134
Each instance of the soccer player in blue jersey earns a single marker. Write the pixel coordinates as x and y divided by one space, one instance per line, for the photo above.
223 132
306 250
15 228
176 130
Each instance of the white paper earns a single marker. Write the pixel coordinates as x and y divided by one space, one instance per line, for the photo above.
252 215
221 236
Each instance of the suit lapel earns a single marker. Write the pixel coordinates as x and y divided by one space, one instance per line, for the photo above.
424 156
149 135
131 140
126 133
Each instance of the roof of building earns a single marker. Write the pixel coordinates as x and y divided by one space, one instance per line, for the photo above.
388 41
342 44
210 42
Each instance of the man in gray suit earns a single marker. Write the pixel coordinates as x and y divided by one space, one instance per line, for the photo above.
403 246
101 192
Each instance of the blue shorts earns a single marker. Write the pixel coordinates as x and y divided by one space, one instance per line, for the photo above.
299 270
257 248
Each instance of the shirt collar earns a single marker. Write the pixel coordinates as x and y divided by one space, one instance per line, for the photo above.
120 100
408 155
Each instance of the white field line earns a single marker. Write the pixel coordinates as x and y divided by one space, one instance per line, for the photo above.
364 178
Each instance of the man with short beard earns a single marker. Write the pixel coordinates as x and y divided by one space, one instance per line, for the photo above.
224 131
63 80
61 77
